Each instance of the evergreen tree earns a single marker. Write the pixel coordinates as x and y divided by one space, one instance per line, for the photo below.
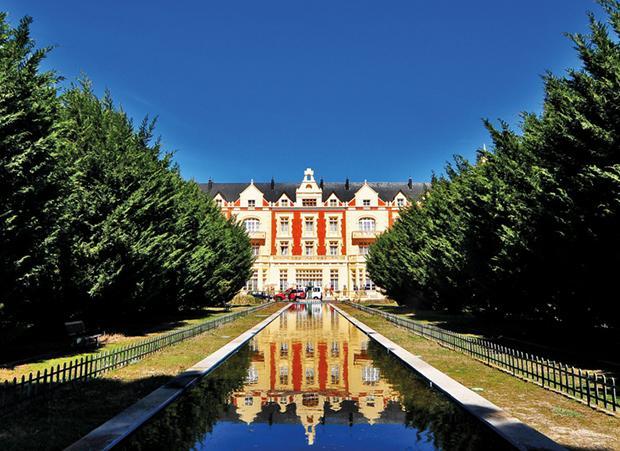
29 177
533 228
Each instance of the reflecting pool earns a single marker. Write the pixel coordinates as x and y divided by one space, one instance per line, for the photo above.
311 378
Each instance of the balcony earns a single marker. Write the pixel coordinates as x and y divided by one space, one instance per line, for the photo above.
364 236
257 237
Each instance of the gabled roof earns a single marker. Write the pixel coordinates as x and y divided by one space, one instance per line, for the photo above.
387 191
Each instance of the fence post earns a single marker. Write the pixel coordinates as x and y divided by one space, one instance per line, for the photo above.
614 401
588 387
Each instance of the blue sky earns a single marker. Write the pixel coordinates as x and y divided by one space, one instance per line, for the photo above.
360 89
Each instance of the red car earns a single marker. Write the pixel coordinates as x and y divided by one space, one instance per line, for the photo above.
291 294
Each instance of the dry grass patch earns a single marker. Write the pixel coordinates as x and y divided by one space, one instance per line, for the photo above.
70 413
569 422
111 341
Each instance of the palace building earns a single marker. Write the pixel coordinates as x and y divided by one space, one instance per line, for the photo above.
313 233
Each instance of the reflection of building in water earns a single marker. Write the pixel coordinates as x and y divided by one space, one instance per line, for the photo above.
314 362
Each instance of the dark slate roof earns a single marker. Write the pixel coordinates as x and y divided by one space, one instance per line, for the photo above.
386 190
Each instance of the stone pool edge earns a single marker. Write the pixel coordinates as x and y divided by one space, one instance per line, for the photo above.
517 433
113 431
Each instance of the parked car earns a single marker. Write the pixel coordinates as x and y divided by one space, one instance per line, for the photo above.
291 294
314 293
260 295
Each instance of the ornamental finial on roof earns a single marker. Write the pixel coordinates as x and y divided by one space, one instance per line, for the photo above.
309 175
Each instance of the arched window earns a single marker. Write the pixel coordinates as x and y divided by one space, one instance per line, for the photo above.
251 225
367 225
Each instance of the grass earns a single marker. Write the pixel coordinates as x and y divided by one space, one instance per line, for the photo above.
554 342
69 413
115 340
570 423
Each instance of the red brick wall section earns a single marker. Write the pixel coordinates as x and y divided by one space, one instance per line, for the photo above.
296 233
321 233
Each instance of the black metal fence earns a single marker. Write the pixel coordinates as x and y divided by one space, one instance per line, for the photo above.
594 389
15 391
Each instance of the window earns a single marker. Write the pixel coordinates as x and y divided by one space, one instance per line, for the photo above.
333 202
363 249
308 277
309 349
335 349
370 375
309 225
251 225
335 373
400 202
284 377
284 202
255 249
252 376
367 225
309 248
284 225
366 202
283 281
333 248
252 284
308 202
284 349
249 401
309 376
251 203
218 202
333 224
333 279
284 248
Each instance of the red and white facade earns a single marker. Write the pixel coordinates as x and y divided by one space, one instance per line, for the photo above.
313 233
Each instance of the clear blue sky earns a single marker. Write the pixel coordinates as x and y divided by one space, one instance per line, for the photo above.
366 89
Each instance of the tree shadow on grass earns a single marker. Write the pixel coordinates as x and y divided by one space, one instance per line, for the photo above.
594 348
40 347
56 420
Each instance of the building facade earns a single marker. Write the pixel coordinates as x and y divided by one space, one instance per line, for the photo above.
313 233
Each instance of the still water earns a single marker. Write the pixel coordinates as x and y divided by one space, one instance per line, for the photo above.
312 379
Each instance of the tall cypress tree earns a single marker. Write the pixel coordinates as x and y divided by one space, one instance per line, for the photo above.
29 177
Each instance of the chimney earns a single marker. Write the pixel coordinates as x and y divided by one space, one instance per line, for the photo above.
346 184
273 183
321 183
210 184
410 183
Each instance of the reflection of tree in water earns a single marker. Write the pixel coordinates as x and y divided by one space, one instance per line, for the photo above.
428 410
194 414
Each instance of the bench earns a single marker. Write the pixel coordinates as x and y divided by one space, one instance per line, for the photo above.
76 330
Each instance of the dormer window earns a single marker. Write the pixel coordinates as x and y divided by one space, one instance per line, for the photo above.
366 202
284 202
333 202
400 202
218 202
308 202
251 203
